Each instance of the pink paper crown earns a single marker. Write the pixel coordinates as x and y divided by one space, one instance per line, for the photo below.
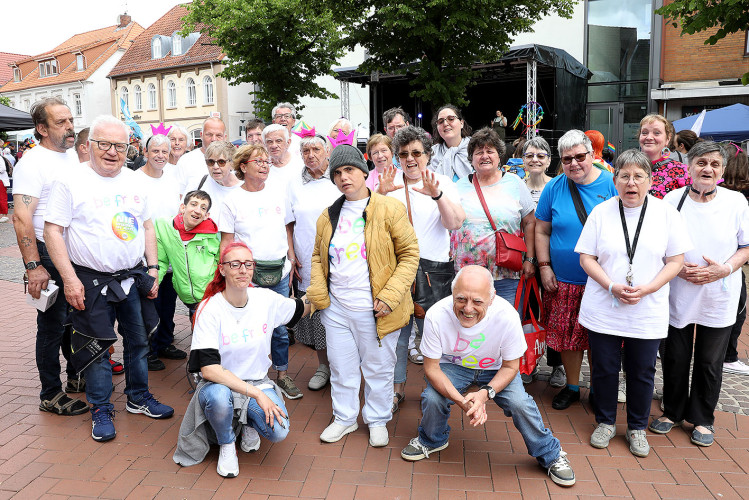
160 130
342 139
305 132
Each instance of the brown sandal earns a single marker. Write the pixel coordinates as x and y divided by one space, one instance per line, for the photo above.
64 405
398 398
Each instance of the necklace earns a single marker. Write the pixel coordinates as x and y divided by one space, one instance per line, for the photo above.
705 194
633 247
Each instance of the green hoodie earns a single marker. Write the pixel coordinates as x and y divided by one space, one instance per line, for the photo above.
193 262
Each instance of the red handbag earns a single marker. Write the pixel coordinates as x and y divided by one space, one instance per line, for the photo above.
535 334
509 248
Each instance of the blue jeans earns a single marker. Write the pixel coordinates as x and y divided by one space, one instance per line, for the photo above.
279 343
50 334
135 349
166 304
217 403
506 288
401 350
434 430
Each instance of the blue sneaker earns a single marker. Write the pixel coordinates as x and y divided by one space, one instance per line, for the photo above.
150 407
102 427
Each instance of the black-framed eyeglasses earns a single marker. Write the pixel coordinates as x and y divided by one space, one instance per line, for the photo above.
120 147
211 162
450 119
405 154
540 156
579 158
236 264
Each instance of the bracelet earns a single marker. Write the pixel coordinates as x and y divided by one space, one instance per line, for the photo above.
436 198
611 285
154 266
544 264
729 267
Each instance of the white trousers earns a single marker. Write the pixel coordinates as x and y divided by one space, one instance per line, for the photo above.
354 350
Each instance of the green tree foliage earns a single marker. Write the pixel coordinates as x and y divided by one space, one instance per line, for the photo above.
281 45
438 40
5 100
729 16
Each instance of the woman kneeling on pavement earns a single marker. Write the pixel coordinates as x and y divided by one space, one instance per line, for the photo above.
363 265
230 350
631 247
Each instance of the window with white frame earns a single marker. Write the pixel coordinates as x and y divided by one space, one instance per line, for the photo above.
77 104
171 94
151 96
16 74
80 62
191 94
156 48
42 70
207 90
27 104
176 45
138 98
195 137
125 96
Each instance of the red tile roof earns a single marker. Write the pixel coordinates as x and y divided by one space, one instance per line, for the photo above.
138 57
6 71
97 46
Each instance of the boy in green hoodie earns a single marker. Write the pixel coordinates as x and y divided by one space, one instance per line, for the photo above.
189 243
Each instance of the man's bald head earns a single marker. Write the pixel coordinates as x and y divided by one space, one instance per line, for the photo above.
214 129
473 293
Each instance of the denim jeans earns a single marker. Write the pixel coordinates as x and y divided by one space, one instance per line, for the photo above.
166 304
434 430
217 403
50 335
401 350
507 288
135 349
279 343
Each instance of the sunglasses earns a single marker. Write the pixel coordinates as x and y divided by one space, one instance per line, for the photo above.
450 119
579 158
405 154
236 264
540 156
211 162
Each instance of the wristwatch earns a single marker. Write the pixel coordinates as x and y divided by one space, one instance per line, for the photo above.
490 390
154 266
532 260
33 264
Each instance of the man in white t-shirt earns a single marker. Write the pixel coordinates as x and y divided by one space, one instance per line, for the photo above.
285 167
33 177
191 166
107 222
475 338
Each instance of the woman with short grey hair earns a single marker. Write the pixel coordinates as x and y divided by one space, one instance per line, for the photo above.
704 296
562 210
178 136
631 247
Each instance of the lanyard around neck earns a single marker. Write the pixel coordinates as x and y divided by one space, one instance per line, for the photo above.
633 247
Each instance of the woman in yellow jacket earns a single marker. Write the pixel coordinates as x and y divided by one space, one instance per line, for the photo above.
363 264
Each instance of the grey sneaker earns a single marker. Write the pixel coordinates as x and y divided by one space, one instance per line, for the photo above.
289 388
417 451
558 377
638 442
621 395
320 378
250 439
602 435
561 471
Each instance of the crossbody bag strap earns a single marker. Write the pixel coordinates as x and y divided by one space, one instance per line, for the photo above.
475 181
683 199
408 200
577 200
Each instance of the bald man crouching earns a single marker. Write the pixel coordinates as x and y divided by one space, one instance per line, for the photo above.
475 338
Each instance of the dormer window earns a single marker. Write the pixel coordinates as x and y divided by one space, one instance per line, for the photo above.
16 74
48 68
80 62
176 45
156 48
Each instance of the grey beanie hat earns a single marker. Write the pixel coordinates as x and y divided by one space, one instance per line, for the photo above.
347 155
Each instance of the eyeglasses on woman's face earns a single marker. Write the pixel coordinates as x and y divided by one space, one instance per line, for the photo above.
450 119
236 264
211 162
540 156
405 154
579 158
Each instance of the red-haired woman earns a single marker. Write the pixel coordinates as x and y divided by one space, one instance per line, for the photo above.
230 350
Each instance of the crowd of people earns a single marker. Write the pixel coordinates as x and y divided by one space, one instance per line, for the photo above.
416 254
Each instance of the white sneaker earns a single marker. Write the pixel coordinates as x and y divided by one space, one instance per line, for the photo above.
320 378
250 439
335 431
3 219
621 396
737 367
378 436
228 465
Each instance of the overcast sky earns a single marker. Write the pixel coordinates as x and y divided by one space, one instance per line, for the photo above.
45 24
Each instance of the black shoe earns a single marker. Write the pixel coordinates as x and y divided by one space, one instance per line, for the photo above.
565 398
155 364
172 352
